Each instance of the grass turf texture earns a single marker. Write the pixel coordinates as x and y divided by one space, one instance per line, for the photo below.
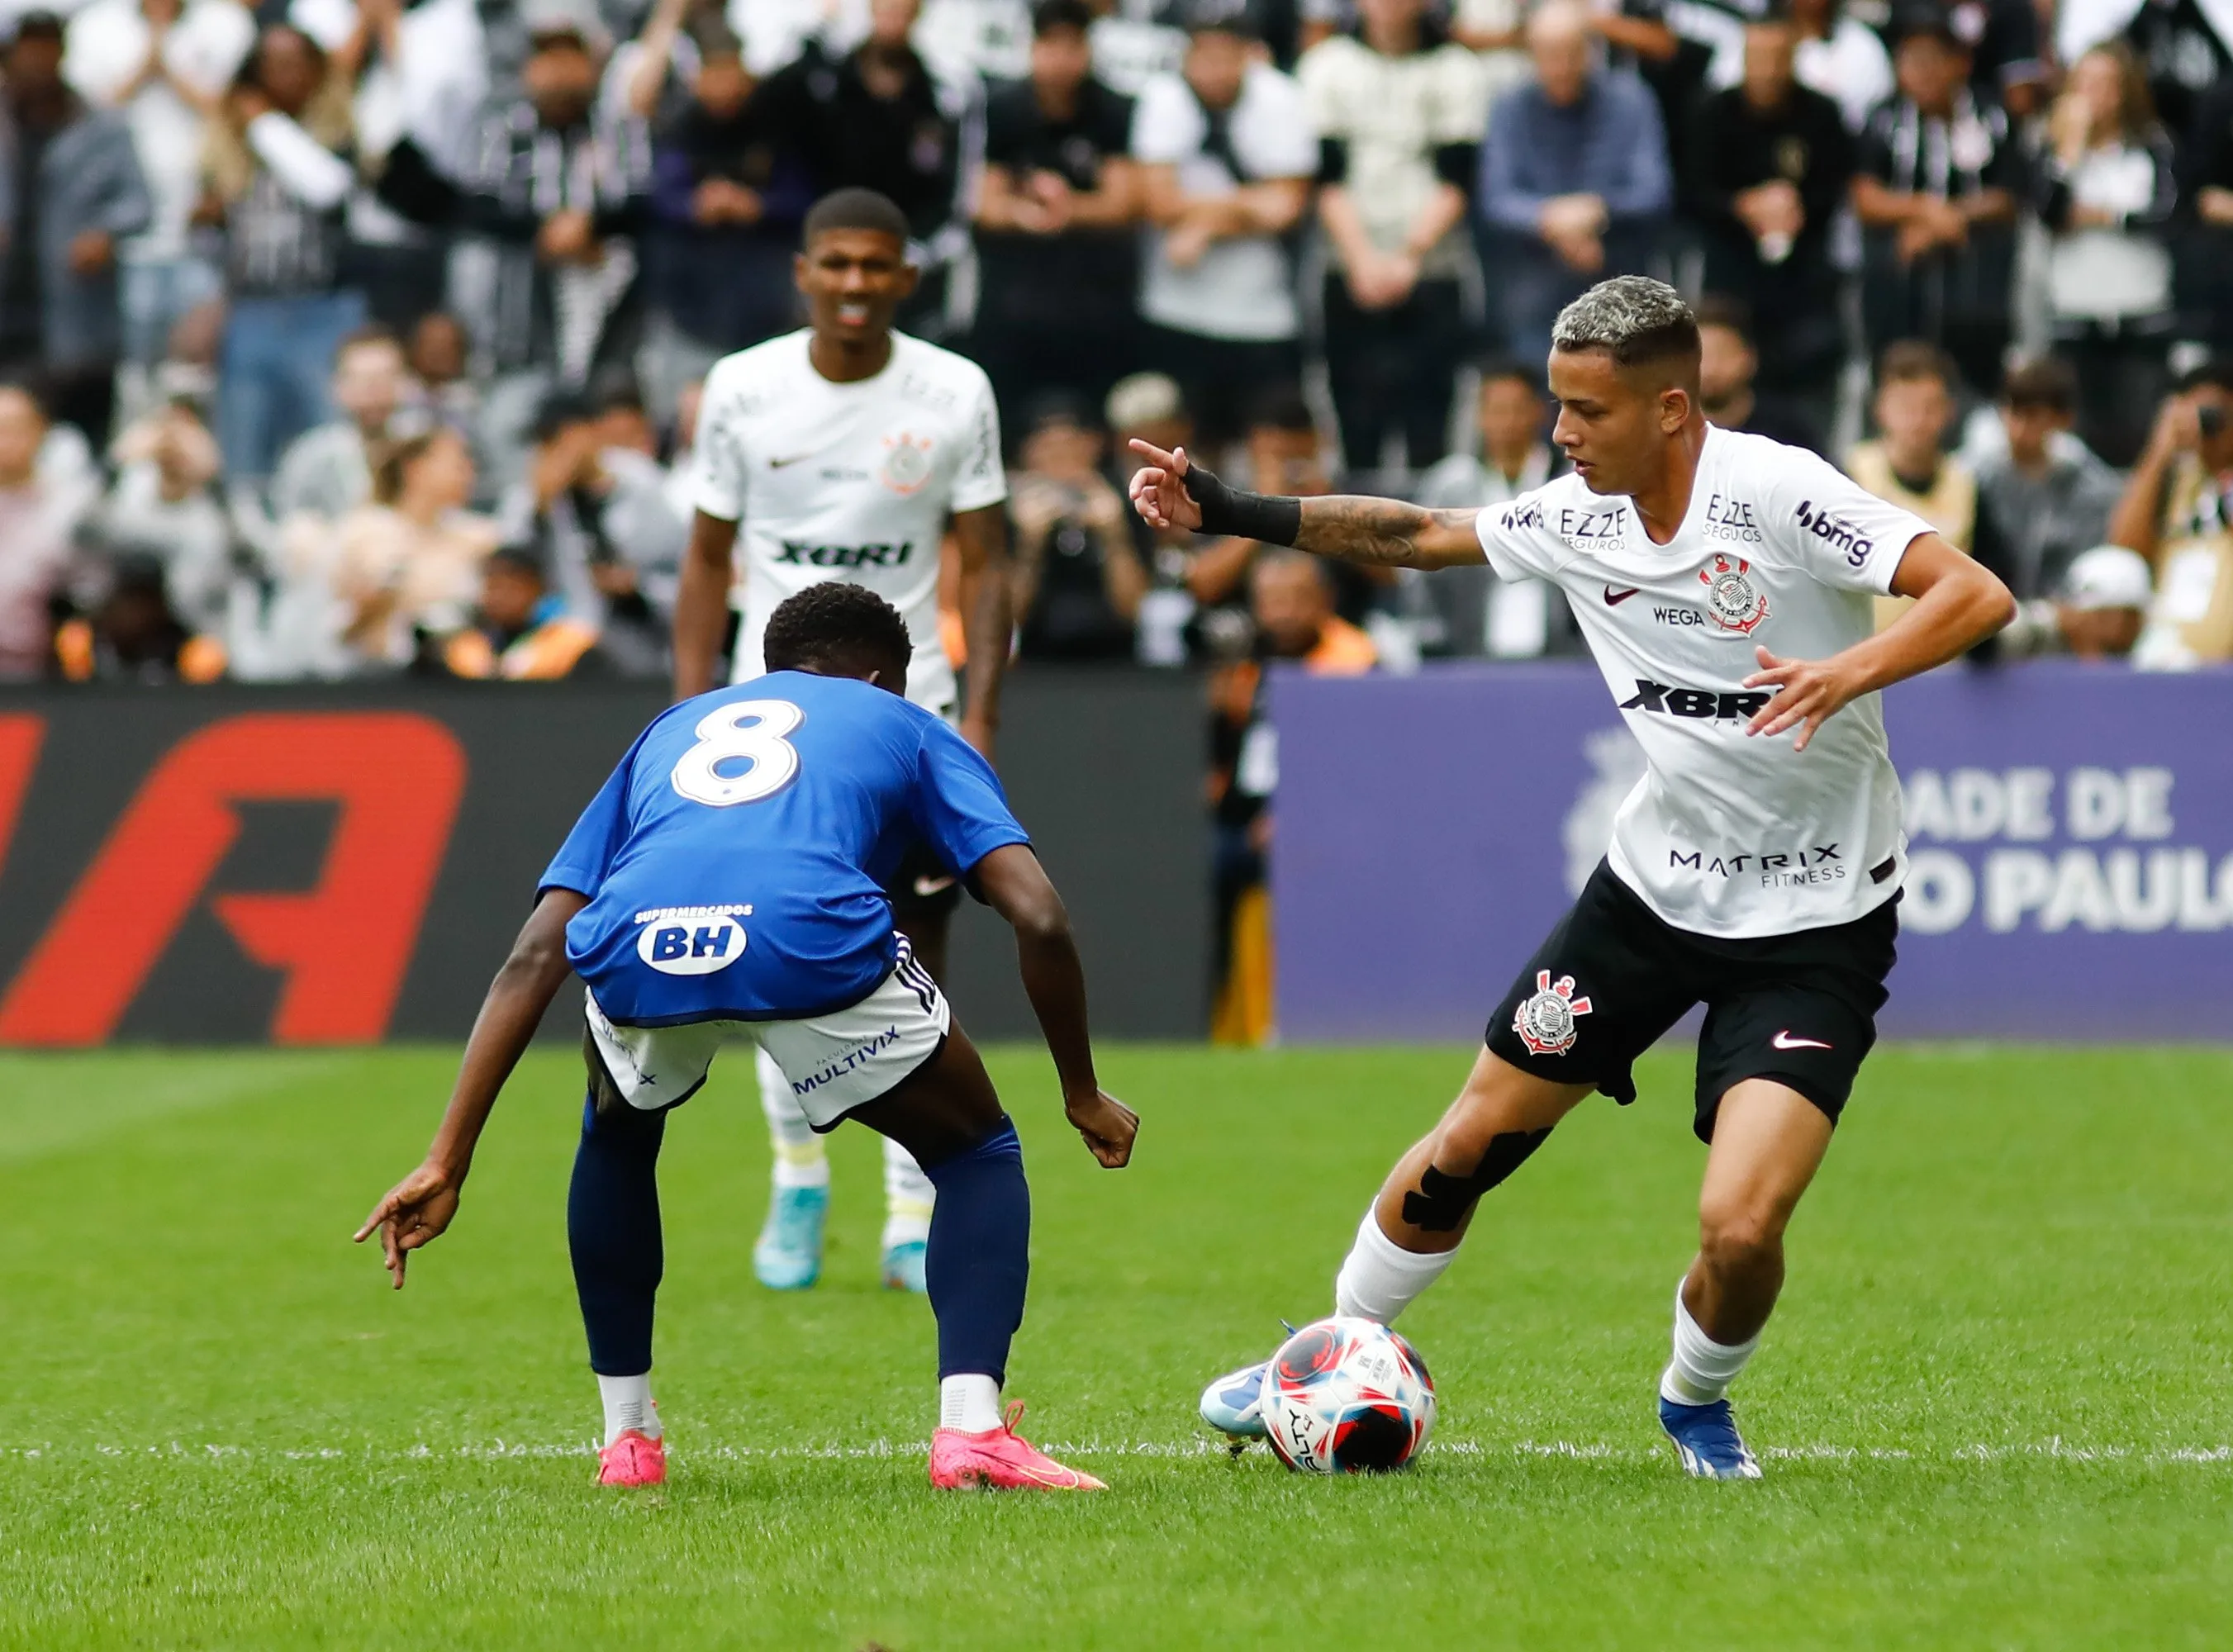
1995 1408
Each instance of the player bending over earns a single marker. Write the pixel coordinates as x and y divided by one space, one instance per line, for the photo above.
1725 584
844 451
727 882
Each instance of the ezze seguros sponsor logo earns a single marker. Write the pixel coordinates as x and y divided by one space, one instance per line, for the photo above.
691 940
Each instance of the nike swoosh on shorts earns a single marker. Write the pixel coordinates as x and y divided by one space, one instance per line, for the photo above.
1783 1040
1614 599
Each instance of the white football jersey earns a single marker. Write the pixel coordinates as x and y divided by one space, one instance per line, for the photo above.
847 481
1728 833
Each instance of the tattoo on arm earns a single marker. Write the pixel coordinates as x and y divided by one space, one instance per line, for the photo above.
1379 533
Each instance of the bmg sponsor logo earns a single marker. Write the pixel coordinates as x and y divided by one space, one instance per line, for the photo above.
691 940
1840 533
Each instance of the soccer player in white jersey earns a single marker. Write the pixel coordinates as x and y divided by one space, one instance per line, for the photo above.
845 451
1725 583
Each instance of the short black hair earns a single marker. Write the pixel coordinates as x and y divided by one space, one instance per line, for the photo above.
1720 310
1050 15
835 626
1908 360
40 24
2045 382
1283 407
561 410
518 559
2216 374
854 209
1500 369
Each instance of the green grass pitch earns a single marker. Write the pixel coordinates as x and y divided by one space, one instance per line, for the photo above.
1995 1410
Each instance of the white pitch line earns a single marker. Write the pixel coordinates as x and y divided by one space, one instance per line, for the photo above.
2055 1449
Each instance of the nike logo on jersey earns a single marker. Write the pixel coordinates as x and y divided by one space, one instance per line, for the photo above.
1614 599
778 463
1783 1040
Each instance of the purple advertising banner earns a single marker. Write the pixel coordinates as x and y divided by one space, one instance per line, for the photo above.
2070 832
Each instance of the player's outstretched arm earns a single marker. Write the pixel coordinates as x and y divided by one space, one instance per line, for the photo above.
1959 602
418 1207
701 604
1015 885
1171 490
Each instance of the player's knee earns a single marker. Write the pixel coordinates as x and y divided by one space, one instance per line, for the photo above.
1739 1235
1442 1198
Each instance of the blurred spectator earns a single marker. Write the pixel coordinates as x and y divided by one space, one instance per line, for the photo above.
163 65
164 507
70 191
438 358
2047 493
1478 612
1728 364
410 563
1134 40
1286 455
2178 511
1054 217
1842 58
1148 408
2007 65
2185 47
1495 31
1907 465
1770 164
2204 272
729 203
133 635
1078 581
275 177
2096 612
1291 602
39 517
878 117
558 189
327 471
1574 178
1227 155
1939 176
420 68
600 522
1399 109
517 631
2106 190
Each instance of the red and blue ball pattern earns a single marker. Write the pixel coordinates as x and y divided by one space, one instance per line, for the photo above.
1347 1396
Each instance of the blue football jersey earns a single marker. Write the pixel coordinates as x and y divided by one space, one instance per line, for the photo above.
735 861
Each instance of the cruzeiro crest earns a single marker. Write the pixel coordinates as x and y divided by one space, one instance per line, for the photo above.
1731 598
1546 1022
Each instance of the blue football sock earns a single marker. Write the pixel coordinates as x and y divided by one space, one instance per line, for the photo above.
612 1228
979 1260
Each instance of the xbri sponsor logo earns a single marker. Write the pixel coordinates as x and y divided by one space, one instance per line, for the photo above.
1841 534
691 940
1668 700
801 554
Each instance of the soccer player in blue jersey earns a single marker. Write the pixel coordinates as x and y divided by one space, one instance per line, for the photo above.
728 882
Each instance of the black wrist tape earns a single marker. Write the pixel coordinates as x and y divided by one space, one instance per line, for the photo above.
1273 519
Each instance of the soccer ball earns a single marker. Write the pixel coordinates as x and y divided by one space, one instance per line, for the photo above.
1347 1396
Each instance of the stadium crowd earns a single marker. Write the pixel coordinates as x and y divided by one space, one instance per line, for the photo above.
340 338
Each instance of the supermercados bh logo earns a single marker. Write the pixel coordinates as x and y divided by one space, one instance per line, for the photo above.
1841 534
691 940
2049 851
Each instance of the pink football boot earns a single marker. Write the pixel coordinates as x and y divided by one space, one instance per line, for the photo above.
634 1458
1000 1457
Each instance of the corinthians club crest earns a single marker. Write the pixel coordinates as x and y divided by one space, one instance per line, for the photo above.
1546 1022
1735 603
906 463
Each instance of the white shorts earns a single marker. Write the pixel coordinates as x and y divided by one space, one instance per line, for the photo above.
835 1062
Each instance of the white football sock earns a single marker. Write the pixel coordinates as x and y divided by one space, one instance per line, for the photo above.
1702 1369
909 1198
627 1405
968 1401
1380 1278
800 1160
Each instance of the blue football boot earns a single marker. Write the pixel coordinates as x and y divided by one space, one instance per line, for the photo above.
905 1264
1234 1405
789 1254
1706 1438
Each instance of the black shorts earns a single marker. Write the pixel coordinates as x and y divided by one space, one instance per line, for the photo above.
1614 976
922 888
